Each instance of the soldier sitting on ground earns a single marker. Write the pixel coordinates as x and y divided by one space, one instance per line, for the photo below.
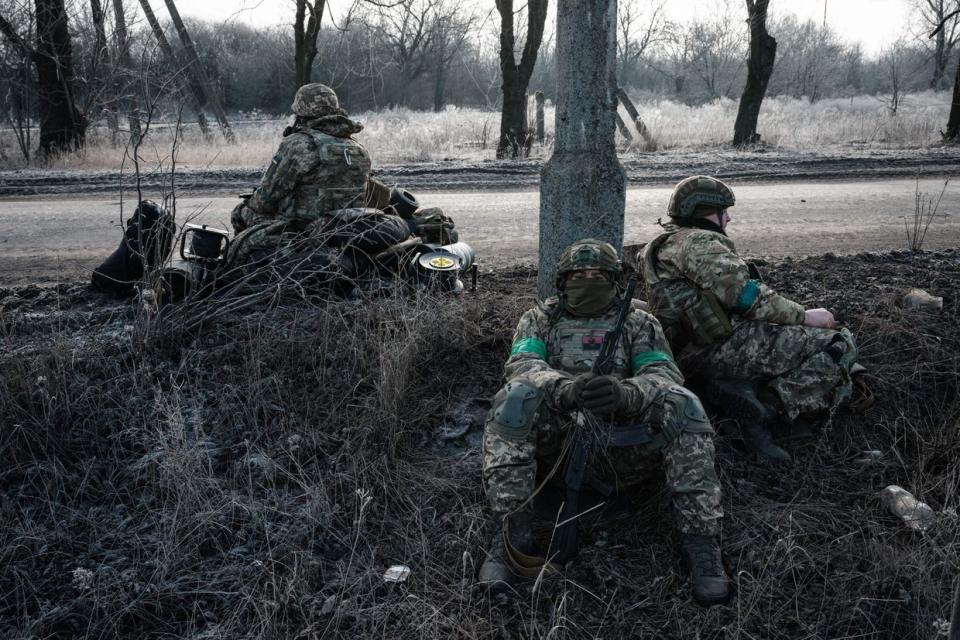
762 357
655 422
318 221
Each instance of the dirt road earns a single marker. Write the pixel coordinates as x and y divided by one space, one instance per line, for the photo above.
50 239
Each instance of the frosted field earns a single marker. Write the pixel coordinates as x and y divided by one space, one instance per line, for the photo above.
469 135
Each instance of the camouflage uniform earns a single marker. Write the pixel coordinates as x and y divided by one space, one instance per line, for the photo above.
552 346
318 168
725 324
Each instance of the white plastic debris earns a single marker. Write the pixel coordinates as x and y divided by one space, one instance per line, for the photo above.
915 514
397 573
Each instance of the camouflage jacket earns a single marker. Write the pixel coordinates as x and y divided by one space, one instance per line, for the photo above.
551 346
708 261
317 168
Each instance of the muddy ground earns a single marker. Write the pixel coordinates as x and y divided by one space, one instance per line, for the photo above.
642 168
256 479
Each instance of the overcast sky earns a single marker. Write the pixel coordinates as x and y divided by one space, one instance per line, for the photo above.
873 23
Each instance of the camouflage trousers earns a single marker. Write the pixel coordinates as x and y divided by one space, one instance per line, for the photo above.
511 468
808 368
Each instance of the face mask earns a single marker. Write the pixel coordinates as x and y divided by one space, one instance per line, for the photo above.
588 296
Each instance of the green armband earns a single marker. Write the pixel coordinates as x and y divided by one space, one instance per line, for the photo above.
749 295
649 357
529 345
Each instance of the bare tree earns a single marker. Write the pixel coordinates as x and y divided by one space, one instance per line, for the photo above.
676 55
516 77
718 50
127 99
191 92
637 30
451 26
941 15
306 28
198 72
763 52
892 61
952 134
405 29
62 125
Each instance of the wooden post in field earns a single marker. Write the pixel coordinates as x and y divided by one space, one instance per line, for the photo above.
198 71
637 120
624 131
528 139
540 121
187 89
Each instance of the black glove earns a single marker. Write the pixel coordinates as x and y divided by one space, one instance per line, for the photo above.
604 395
569 397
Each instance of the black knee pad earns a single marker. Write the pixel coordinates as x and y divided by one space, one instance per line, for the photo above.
513 409
687 414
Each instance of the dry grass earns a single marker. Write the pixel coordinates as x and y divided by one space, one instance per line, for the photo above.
469 135
255 478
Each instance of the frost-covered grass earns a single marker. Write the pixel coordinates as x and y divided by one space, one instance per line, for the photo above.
402 136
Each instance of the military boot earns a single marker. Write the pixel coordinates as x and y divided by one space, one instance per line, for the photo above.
496 572
709 583
738 400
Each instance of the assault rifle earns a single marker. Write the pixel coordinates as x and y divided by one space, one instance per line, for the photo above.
563 546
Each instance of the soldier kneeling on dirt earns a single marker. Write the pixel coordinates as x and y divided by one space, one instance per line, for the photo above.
643 416
762 357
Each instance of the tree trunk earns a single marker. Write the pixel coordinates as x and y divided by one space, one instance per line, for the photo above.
512 131
953 124
582 186
62 126
516 78
305 32
188 90
763 52
196 67
939 60
439 86
100 35
540 119
128 101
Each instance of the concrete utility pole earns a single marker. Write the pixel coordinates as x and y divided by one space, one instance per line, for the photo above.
582 186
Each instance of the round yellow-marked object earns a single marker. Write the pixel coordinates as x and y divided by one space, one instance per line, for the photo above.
442 262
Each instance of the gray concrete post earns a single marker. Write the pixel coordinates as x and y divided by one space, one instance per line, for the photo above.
582 186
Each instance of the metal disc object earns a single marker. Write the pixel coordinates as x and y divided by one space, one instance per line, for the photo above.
439 261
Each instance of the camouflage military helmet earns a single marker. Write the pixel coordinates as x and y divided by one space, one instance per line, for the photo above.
315 100
695 191
588 254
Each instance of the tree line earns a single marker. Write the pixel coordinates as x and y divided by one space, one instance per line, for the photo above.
70 65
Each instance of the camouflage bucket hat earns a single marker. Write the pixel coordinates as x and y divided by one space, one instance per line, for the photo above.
694 191
315 100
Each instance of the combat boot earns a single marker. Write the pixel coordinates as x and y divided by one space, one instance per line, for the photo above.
738 400
496 572
709 583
